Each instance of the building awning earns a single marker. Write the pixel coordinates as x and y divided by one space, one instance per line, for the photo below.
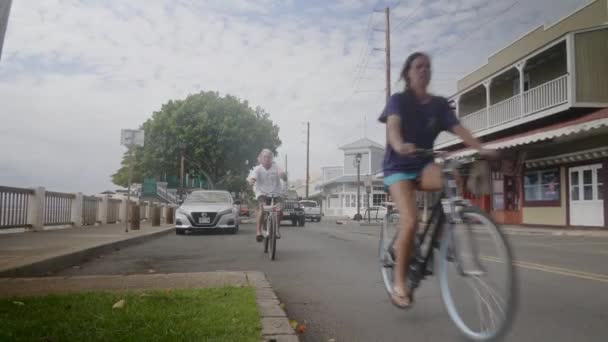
592 123
351 179
578 156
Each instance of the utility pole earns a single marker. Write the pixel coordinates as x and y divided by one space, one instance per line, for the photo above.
388 53
387 35
307 156
129 189
5 8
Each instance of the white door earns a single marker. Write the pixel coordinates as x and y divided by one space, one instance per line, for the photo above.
586 196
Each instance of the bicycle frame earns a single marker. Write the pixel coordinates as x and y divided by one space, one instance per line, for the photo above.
272 209
445 208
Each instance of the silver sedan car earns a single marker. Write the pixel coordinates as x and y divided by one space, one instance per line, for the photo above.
207 210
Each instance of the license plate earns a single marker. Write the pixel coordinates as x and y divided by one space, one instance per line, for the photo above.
204 220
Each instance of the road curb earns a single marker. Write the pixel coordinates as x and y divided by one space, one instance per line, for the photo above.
62 261
275 325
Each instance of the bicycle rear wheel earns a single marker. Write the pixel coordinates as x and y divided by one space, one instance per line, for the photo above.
272 237
475 258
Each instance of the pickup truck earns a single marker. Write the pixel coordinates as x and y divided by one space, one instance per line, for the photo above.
292 211
312 211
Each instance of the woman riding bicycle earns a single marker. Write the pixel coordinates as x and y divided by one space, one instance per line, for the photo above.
266 179
414 119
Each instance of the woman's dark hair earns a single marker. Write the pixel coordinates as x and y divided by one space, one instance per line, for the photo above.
408 65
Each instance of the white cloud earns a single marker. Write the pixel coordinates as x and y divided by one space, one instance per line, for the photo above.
75 72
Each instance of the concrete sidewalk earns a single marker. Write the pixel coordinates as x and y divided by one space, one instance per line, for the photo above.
275 325
40 253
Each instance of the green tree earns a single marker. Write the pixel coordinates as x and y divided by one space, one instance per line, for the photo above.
217 134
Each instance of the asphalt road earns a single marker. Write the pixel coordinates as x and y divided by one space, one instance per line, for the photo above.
328 277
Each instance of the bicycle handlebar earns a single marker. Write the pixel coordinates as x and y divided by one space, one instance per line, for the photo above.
439 153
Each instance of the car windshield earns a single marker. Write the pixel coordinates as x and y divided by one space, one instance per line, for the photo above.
308 204
208 197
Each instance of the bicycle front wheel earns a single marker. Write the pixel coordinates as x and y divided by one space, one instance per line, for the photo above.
388 231
266 229
477 277
272 237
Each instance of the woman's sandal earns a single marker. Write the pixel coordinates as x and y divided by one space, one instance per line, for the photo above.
400 300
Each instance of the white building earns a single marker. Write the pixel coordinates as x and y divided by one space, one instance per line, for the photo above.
339 183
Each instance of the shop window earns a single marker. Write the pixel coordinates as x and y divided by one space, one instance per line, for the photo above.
542 188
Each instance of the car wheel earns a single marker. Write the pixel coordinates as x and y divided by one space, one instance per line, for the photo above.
179 231
319 219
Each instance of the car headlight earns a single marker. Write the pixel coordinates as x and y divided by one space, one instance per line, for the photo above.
225 212
181 214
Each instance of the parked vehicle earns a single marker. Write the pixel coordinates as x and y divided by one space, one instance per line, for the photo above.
206 210
293 211
244 210
312 211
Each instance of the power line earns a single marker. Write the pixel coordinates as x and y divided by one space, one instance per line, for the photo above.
396 5
471 32
364 55
409 16
365 45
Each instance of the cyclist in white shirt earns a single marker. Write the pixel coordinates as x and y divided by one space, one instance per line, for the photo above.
266 179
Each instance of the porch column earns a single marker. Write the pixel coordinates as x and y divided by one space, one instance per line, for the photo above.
571 68
487 85
520 67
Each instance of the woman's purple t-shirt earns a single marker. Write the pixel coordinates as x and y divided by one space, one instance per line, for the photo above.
420 125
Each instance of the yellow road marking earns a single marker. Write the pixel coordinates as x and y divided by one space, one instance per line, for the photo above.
555 247
553 269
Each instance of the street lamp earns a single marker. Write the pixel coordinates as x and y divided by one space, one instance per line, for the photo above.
180 190
358 165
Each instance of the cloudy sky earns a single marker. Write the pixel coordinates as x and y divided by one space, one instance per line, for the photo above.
74 72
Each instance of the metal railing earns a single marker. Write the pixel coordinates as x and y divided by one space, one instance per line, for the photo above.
58 208
38 208
165 194
14 203
547 95
505 111
542 97
113 211
90 207
476 121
